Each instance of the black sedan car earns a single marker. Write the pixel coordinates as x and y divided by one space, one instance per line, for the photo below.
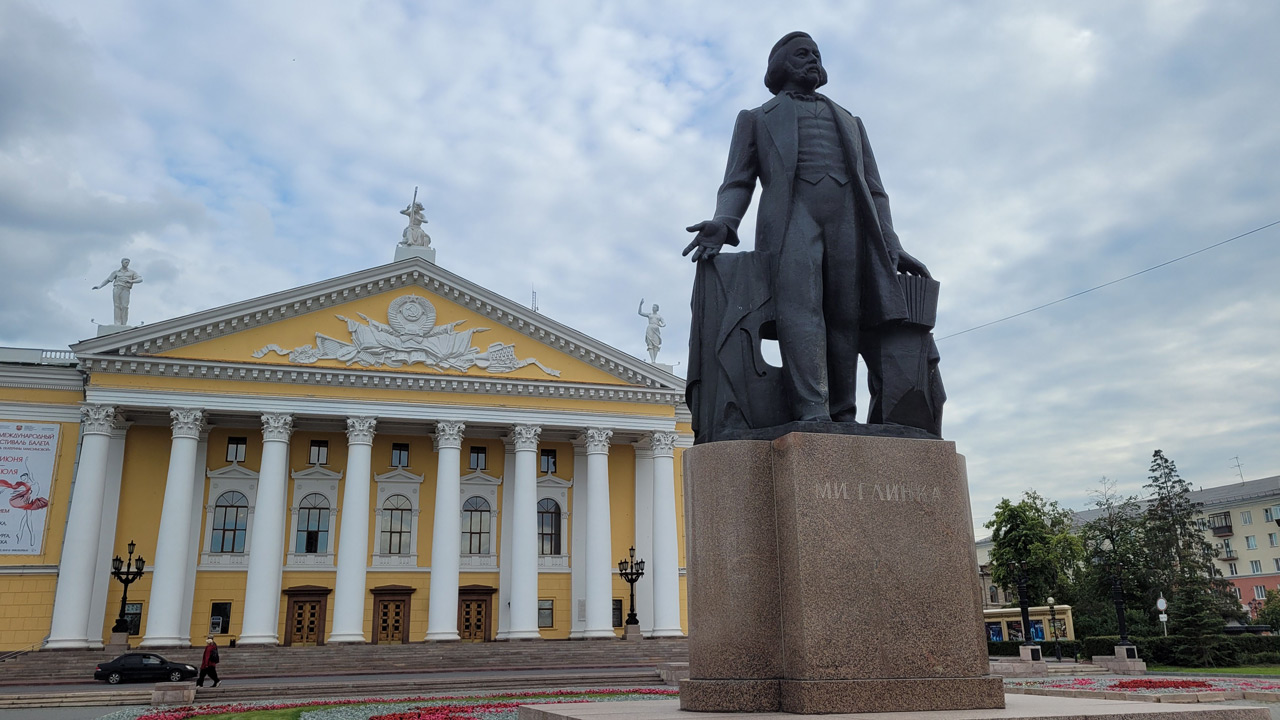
142 666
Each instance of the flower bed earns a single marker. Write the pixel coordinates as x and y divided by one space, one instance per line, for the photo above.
1149 685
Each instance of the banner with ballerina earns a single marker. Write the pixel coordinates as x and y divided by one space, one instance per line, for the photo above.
27 454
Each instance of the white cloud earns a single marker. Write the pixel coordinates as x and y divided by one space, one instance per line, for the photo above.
1031 152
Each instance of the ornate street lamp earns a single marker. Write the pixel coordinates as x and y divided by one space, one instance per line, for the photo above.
1117 591
1024 601
1053 626
631 571
126 571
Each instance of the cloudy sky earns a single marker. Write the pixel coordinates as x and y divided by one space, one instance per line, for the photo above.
1030 150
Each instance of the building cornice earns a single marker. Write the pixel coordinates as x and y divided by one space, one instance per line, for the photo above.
376 379
472 415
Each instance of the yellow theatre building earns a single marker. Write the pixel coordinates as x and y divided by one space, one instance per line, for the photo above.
394 455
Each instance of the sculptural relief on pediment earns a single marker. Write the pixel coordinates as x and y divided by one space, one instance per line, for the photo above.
409 337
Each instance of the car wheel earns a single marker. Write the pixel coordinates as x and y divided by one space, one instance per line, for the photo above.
175 676
113 678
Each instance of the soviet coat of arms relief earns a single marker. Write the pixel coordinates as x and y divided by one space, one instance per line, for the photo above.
409 337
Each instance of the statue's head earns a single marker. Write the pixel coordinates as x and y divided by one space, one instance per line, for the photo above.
124 262
655 307
795 63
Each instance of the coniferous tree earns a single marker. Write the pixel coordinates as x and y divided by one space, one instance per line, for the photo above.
1182 561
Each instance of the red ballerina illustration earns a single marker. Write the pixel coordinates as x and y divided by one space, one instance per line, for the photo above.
26 497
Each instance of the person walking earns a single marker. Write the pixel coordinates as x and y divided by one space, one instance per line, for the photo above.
209 663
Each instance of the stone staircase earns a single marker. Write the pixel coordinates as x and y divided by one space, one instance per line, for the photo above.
77 666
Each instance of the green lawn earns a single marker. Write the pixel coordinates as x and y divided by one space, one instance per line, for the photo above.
1242 670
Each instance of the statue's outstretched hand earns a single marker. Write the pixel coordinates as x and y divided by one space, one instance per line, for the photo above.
712 235
911 266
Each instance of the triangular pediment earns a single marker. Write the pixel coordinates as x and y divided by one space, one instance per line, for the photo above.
479 478
410 318
399 475
315 472
234 471
553 481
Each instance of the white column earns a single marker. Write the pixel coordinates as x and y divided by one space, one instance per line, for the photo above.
644 533
69 628
193 540
599 538
266 553
102 580
168 580
503 527
446 535
524 536
353 535
578 544
664 564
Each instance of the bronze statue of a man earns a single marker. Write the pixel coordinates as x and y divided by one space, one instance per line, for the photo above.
824 235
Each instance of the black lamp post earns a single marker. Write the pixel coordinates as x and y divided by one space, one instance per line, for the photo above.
631 571
1117 590
1024 600
126 571
1053 627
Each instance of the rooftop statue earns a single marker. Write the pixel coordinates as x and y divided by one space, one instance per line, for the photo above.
828 279
414 235
652 333
121 281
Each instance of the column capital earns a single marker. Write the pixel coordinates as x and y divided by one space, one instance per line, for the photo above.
277 426
664 443
98 419
449 434
360 430
524 437
597 440
187 422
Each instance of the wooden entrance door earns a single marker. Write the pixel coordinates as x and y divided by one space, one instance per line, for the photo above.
391 613
308 607
305 622
475 613
391 625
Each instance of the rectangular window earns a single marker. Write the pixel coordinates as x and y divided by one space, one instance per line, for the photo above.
1235 591
546 613
547 462
1277 563
1255 566
1269 514
133 613
235 448
1015 630
1274 539
220 618
995 632
479 461
1260 592
400 455
617 613
1037 630
1246 517
319 452
1251 542
1226 546
1231 569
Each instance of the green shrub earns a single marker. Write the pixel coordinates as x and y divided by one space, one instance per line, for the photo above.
1183 651
1009 648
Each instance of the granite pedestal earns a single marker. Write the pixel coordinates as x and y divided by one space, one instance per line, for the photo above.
832 574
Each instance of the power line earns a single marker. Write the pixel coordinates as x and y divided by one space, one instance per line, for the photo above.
1113 282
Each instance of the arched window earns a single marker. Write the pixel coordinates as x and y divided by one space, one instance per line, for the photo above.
475 526
548 527
230 518
397 514
313 524
995 595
